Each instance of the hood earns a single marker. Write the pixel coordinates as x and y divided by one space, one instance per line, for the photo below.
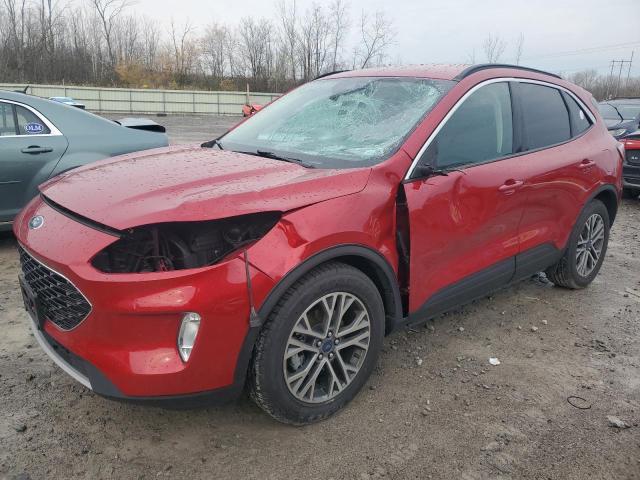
192 183
613 124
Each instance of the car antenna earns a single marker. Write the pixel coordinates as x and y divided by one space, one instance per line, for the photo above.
254 318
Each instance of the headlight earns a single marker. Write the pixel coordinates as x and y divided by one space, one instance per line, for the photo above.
182 245
619 132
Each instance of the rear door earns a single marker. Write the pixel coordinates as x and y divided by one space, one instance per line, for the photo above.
30 148
464 222
560 164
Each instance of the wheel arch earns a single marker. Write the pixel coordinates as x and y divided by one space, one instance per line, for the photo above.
365 259
608 195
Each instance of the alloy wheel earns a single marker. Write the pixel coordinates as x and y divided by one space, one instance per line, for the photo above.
326 347
590 245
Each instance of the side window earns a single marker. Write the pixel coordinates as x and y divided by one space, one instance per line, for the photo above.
7 120
29 123
480 130
579 119
545 116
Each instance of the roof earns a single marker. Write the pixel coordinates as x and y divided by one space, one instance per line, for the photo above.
454 72
437 71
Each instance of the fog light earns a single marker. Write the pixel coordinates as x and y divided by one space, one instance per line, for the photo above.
188 334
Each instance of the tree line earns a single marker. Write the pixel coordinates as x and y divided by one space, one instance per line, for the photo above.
104 43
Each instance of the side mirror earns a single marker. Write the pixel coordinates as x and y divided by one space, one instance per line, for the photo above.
423 171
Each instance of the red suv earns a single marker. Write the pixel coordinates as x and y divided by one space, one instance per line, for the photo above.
280 254
631 168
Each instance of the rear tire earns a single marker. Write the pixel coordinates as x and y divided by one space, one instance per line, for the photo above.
585 250
314 354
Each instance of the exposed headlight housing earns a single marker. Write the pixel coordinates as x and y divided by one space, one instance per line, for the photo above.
187 334
182 245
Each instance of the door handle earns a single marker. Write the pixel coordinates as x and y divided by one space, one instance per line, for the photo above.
586 163
510 186
35 149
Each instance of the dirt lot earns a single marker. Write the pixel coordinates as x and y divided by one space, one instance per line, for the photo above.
435 407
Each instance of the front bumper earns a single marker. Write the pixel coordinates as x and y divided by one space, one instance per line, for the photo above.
92 378
126 346
631 176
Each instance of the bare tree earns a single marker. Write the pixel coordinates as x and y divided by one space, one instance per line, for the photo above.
214 45
256 48
150 43
519 48
339 20
183 50
16 19
377 34
314 42
97 42
493 48
587 79
108 11
289 34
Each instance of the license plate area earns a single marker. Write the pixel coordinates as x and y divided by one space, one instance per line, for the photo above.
32 304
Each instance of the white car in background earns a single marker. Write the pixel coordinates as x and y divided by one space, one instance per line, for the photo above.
68 101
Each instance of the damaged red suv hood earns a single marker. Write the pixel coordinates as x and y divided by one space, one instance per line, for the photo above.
193 183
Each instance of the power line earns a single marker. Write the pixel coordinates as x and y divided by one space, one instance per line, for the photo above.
584 51
611 75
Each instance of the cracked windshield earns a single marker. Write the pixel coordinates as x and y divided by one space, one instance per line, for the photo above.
339 123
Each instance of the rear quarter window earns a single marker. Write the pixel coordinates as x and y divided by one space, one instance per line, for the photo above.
29 123
579 119
545 116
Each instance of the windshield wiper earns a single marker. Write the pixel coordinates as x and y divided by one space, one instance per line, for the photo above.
275 156
212 143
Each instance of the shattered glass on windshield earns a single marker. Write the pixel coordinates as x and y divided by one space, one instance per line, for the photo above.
346 122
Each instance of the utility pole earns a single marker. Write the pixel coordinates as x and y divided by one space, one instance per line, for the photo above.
629 70
622 64
610 80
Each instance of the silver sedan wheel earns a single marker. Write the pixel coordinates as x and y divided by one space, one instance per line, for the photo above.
590 245
327 347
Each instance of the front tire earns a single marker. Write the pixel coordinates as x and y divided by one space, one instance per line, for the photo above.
586 249
319 345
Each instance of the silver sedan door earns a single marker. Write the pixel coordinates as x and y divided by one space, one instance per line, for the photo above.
30 148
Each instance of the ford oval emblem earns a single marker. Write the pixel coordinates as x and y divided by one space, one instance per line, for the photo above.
36 222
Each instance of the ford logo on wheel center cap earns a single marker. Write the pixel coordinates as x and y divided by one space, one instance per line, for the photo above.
36 222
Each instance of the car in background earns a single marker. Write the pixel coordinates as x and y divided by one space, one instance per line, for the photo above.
68 101
40 139
621 115
250 109
281 253
631 167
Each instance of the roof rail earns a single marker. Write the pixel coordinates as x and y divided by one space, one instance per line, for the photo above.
486 66
330 73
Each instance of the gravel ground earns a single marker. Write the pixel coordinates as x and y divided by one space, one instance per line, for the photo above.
434 408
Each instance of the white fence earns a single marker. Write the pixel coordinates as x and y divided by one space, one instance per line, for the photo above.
124 100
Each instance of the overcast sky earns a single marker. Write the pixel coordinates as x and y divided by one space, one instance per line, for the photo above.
562 36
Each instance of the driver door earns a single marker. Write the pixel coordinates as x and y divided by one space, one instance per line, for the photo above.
464 220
